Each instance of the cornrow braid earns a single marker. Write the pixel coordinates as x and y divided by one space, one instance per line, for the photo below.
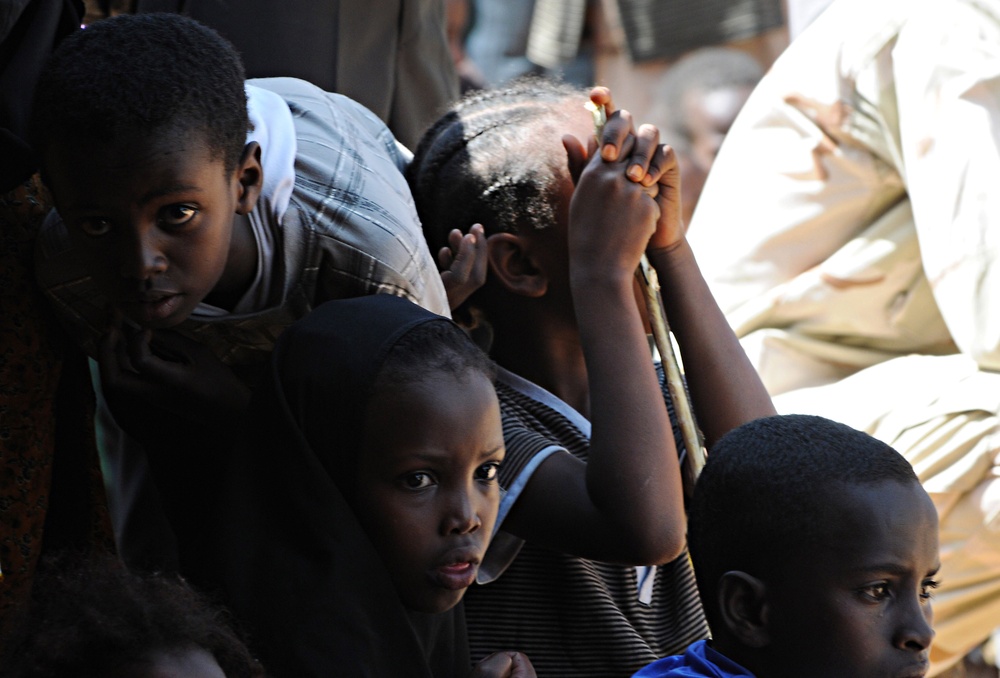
482 163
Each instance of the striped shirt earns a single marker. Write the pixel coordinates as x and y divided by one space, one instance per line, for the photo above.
571 616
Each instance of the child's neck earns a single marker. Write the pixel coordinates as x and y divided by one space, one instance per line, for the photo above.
548 355
241 266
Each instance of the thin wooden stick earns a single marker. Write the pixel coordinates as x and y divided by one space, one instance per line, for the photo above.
694 460
646 275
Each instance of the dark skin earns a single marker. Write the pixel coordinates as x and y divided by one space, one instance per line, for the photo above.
162 224
858 604
563 308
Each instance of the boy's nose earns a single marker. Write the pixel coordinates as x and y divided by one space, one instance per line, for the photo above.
142 257
463 516
915 631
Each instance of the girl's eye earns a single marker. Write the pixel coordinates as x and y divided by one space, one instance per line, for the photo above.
927 588
488 471
95 227
418 481
177 215
876 592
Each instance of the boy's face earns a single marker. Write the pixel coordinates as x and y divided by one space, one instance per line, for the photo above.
859 606
427 492
153 220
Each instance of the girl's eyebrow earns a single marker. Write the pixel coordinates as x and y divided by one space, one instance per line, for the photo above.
496 450
436 455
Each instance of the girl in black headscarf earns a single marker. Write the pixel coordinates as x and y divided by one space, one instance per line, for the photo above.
357 511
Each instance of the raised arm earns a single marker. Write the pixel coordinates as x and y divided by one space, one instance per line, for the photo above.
624 504
725 388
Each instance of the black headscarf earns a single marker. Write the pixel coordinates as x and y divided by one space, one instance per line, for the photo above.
287 550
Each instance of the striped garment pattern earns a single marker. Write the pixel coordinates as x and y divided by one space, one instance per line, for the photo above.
571 616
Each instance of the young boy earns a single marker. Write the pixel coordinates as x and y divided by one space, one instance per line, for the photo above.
170 217
591 470
816 551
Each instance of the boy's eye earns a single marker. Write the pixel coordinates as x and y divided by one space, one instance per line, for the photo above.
488 471
927 588
95 227
177 215
418 480
876 592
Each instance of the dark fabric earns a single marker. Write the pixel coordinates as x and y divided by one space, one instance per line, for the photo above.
699 661
29 30
574 617
51 492
389 55
654 29
657 29
285 548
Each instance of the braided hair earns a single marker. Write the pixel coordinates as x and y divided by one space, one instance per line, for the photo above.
482 162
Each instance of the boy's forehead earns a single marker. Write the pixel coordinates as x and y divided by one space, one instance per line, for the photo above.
85 165
888 523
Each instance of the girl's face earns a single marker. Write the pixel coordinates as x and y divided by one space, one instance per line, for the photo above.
427 492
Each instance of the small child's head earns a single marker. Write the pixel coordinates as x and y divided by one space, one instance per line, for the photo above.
696 103
815 549
139 124
497 159
101 621
699 97
399 405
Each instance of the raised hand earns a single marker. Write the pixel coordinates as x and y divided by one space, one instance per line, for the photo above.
611 217
665 172
507 664
463 264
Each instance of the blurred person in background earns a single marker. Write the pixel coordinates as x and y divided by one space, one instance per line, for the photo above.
696 103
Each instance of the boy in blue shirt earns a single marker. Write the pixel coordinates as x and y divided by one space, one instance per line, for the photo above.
815 548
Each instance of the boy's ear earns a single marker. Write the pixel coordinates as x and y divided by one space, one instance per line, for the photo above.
250 175
513 266
744 608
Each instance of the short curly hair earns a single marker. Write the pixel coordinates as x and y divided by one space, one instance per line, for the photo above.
86 620
763 494
151 74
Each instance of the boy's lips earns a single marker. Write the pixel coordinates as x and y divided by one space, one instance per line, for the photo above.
154 306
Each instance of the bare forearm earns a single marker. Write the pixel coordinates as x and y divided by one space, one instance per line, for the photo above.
633 476
725 389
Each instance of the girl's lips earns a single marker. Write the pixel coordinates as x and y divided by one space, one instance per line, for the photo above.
456 576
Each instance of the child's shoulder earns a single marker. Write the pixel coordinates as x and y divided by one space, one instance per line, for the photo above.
340 115
699 660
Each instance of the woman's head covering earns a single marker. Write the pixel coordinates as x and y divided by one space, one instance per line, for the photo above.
327 365
286 548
